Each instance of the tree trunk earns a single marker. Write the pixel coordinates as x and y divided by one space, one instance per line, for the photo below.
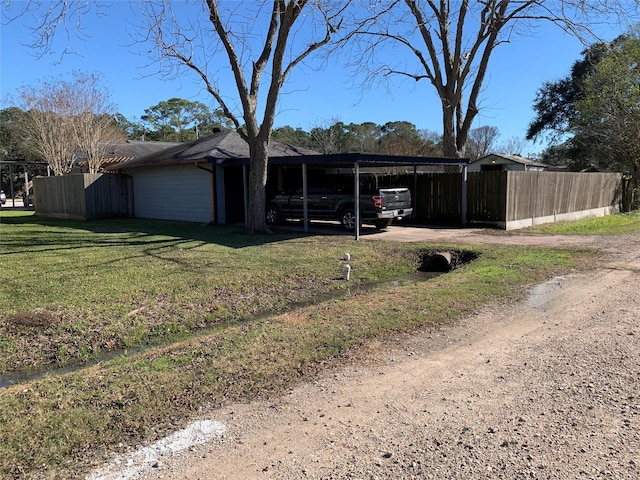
449 137
256 221
634 200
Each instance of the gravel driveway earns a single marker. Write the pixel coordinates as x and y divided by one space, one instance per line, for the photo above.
546 388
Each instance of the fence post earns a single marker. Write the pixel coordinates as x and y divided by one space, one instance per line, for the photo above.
463 206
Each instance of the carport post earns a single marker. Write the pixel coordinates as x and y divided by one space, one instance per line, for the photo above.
26 186
305 206
12 186
356 190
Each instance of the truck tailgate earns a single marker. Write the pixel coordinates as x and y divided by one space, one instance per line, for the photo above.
395 198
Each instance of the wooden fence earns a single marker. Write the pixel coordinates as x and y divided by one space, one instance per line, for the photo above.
437 197
544 197
513 199
83 197
501 199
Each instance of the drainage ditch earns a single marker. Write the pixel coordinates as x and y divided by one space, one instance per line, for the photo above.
433 263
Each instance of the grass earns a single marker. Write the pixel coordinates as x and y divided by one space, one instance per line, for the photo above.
607 225
75 290
192 295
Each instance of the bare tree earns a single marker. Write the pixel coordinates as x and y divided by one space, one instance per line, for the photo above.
48 123
70 119
256 40
92 119
93 135
260 43
513 146
451 44
329 136
481 141
52 19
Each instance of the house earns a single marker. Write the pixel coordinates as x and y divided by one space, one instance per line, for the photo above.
498 162
206 180
199 181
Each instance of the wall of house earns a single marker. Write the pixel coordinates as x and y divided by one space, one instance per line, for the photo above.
500 163
183 193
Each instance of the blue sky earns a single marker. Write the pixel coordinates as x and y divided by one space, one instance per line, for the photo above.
311 97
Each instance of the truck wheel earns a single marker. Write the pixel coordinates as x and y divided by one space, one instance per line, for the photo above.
273 215
348 219
382 224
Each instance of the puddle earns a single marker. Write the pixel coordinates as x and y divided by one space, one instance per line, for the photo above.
543 295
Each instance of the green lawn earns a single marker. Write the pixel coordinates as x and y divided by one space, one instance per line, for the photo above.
74 290
607 225
217 312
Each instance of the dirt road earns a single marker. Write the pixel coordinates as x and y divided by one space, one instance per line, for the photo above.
546 388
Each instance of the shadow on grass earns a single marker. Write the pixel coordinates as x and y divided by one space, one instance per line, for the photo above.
64 233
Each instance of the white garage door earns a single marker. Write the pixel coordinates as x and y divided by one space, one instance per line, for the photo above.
172 193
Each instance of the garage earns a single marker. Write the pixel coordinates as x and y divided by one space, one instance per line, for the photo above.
172 193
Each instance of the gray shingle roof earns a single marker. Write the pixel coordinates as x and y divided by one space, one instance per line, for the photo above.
216 148
136 149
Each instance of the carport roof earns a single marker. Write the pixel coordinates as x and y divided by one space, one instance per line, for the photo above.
229 149
371 159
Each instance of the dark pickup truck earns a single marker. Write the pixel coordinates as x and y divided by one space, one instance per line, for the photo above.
379 207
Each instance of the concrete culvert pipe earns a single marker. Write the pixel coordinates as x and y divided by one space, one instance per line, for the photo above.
437 262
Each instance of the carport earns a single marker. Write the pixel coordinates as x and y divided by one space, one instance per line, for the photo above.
14 168
352 163
218 185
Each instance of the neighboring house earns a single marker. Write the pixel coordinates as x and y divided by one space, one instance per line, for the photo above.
200 181
497 162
